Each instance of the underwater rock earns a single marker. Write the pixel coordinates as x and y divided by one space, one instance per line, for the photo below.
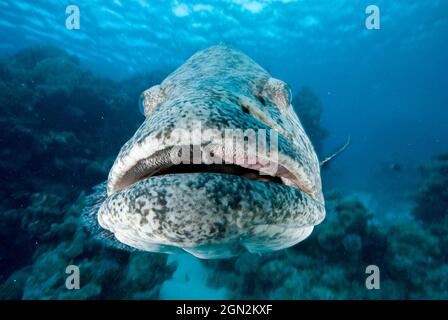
54 146
105 273
352 242
405 259
56 120
431 199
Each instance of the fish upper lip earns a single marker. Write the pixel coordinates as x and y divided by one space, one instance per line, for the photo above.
159 161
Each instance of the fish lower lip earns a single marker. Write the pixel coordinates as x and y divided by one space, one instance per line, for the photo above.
193 211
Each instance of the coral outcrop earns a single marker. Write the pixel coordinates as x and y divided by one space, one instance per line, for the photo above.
60 128
309 109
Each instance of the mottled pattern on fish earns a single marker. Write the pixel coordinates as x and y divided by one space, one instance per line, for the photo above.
207 214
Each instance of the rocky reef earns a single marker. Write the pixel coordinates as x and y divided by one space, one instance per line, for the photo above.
309 109
60 128
432 196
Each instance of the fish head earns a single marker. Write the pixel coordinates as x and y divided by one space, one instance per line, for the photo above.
220 165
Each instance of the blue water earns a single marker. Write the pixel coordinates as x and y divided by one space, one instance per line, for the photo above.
385 88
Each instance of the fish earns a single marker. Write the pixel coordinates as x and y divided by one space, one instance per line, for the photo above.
395 167
337 152
259 195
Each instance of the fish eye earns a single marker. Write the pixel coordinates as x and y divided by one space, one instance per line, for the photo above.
141 104
279 93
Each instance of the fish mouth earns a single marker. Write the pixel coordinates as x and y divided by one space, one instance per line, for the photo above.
228 169
211 209
209 215
160 163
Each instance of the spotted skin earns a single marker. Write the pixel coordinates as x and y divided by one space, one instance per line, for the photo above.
213 215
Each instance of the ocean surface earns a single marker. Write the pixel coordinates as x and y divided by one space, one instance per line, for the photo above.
69 100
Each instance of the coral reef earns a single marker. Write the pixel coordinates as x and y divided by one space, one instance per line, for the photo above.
431 209
60 128
105 272
309 108
57 114
432 196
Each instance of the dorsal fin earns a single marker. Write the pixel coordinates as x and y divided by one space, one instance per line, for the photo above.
336 153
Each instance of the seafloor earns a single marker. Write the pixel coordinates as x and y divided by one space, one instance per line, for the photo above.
61 127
